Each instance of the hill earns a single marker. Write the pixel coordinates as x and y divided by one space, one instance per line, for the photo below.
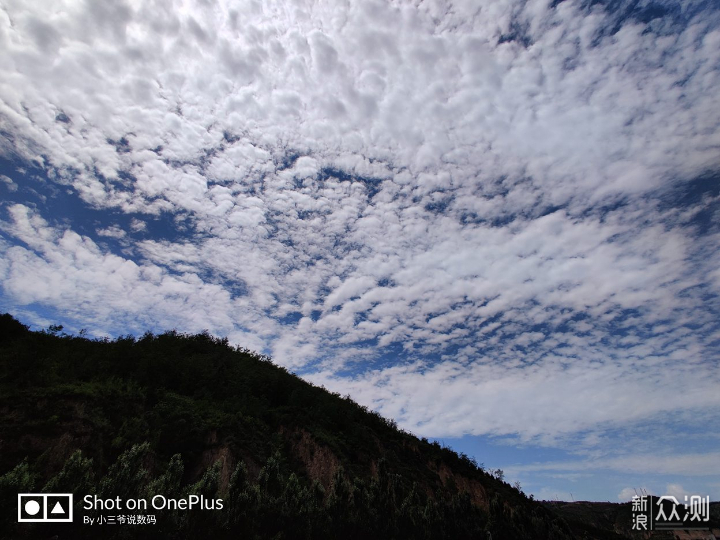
189 415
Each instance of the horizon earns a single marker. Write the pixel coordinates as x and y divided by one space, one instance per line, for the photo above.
499 227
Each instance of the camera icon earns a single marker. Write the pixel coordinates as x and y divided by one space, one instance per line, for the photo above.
45 507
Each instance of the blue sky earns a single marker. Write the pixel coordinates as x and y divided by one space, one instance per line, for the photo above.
498 225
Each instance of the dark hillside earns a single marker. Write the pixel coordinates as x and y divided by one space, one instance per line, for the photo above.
177 414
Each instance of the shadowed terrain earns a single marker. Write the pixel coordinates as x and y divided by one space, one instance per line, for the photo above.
177 414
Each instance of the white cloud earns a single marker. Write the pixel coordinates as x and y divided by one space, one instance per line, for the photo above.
62 268
393 84
677 491
396 174
543 402
9 184
137 225
112 232
688 464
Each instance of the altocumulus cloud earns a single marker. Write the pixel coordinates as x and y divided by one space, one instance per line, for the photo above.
497 220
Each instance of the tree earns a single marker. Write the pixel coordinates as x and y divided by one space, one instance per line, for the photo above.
76 476
127 476
18 480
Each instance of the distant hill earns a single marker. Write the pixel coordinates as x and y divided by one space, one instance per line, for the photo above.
180 415
618 518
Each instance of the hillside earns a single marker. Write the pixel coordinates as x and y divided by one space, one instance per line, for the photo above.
177 414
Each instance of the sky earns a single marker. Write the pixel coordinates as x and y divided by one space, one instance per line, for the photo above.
497 223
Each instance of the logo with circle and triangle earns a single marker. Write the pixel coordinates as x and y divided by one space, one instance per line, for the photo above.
36 507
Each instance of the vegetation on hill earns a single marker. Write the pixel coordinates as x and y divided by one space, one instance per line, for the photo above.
177 414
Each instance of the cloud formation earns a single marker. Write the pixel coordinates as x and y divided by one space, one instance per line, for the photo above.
500 220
